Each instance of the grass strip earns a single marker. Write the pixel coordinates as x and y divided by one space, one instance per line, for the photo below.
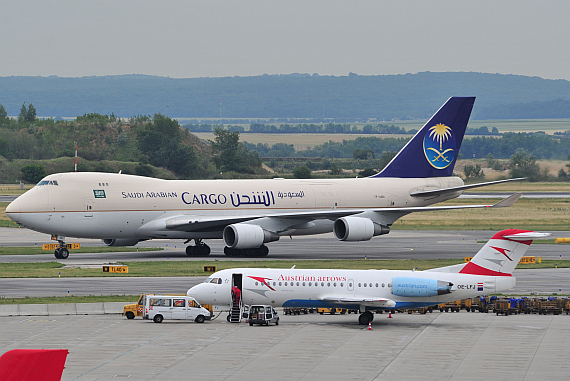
71 299
196 268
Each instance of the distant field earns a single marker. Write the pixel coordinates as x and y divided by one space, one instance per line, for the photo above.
304 141
301 142
549 126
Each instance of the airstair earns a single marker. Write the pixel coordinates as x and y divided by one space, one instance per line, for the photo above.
235 313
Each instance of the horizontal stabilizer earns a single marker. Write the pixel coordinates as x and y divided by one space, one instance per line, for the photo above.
436 192
525 236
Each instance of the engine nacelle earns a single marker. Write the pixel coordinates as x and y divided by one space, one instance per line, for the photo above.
121 241
357 229
408 286
246 236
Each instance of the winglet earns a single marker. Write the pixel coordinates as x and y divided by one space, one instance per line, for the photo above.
507 202
32 364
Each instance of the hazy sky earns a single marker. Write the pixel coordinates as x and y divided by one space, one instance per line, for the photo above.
208 38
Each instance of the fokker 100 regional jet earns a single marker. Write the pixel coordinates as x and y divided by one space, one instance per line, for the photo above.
488 272
123 210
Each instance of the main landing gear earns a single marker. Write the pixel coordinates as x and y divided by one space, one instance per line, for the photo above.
365 318
261 251
200 249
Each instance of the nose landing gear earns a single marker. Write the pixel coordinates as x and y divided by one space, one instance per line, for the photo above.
61 252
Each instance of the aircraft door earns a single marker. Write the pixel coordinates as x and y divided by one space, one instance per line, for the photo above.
326 196
350 284
88 211
237 281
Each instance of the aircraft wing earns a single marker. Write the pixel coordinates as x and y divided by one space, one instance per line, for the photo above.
436 192
291 219
361 300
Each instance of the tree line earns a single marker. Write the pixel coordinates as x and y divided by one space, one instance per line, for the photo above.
150 141
540 145
325 128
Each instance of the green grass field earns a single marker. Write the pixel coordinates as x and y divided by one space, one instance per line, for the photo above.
71 299
196 268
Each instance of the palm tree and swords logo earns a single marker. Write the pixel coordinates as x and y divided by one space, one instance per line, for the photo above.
439 146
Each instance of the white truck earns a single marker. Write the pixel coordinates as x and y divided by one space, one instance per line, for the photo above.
169 307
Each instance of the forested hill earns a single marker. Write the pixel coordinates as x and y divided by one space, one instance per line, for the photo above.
352 97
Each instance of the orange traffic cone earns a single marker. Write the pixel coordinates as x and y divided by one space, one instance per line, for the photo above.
370 326
390 314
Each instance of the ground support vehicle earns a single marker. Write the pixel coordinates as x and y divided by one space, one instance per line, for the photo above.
549 306
130 311
161 307
298 311
466 304
509 306
262 315
422 310
331 311
451 306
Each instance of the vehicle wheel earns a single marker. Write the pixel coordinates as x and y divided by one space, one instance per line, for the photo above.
204 250
199 319
250 323
263 251
277 322
56 253
130 315
158 318
63 253
229 318
364 319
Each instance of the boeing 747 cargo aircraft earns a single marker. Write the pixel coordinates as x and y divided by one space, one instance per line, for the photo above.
123 210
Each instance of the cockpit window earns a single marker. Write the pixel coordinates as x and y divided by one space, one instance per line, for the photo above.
214 280
47 182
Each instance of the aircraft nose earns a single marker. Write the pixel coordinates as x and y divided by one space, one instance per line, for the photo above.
194 292
13 211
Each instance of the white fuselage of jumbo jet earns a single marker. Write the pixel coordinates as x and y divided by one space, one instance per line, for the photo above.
105 205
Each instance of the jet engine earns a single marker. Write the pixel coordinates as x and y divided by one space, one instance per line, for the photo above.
246 236
357 229
121 241
408 286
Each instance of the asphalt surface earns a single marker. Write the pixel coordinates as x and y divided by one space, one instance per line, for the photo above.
313 347
398 244
443 346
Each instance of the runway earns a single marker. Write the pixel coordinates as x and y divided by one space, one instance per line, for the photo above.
399 244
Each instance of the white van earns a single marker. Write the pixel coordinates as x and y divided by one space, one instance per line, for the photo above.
160 307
